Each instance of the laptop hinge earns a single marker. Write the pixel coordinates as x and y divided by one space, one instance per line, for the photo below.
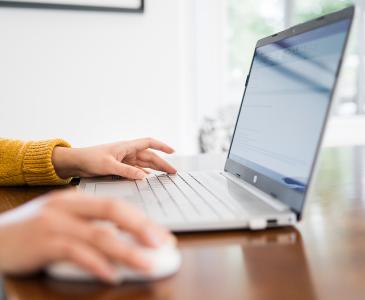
260 194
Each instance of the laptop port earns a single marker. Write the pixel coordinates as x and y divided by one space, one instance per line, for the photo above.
272 222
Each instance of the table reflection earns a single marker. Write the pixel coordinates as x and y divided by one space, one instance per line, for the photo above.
259 265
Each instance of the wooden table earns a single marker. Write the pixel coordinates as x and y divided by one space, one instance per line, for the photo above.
321 258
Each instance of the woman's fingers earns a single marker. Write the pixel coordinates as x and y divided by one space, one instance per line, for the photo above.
124 170
144 170
120 213
108 241
105 239
148 159
83 255
100 244
146 143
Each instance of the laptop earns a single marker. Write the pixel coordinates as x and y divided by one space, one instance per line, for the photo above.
274 147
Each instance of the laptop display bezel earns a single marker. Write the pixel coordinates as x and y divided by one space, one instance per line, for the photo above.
294 199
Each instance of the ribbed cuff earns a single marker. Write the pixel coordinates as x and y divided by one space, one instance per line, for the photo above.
37 164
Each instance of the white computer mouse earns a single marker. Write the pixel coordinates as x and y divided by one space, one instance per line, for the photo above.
166 261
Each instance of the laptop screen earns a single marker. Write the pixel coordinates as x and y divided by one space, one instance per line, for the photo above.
285 107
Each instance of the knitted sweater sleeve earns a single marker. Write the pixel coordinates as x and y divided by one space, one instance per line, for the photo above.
29 163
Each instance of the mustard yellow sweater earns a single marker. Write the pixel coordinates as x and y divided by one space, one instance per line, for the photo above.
29 162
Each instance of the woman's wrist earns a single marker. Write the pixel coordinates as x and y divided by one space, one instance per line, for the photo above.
65 162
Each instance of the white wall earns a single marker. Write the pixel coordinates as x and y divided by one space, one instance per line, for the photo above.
210 65
93 77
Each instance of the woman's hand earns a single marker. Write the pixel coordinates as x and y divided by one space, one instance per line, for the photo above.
61 226
126 159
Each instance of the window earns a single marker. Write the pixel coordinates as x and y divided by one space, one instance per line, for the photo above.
309 9
248 21
225 37
251 20
347 90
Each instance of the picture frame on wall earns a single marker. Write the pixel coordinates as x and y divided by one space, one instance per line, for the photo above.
133 6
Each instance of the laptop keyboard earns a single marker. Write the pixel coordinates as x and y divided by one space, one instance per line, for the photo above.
182 197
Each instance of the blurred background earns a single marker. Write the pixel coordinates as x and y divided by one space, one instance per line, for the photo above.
175 72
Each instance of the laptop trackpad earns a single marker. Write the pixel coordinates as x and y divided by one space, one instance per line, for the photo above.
124 189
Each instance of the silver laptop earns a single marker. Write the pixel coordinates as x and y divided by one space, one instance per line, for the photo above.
274 147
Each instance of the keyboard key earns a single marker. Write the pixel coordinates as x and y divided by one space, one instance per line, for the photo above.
89 188
222 192
186 208
181 198
205 212
222 211
167 204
